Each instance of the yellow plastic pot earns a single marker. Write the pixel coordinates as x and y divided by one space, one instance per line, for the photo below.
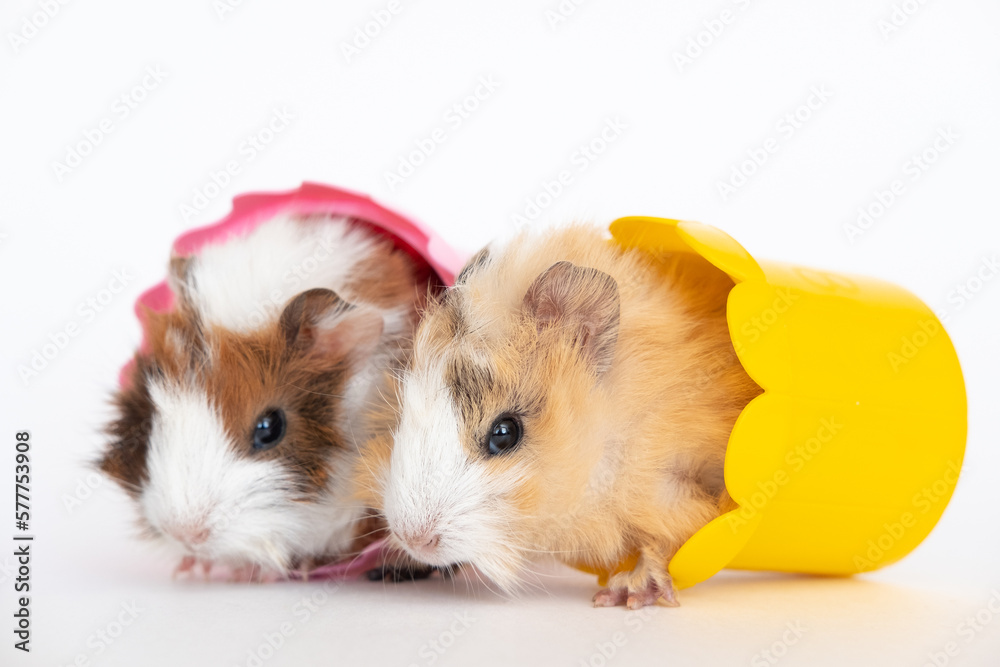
847 460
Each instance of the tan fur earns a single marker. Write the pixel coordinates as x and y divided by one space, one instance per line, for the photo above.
616 465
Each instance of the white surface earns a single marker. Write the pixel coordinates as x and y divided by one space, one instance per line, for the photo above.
557 87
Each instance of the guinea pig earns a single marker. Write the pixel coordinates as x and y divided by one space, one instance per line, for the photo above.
566 397
242 418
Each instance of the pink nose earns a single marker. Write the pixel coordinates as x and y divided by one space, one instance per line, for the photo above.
189 534
423 543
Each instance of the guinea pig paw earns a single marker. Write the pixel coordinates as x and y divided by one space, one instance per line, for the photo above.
185 568
246 574
650 594
644 585
610 597
638 595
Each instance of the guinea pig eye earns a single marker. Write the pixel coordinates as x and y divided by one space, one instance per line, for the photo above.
504 436
270 430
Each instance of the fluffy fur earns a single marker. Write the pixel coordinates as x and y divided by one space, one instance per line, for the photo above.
310 316
619 366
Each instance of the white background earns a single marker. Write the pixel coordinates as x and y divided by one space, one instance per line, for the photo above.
686 128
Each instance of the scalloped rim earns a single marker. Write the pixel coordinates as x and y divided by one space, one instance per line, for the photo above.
689 565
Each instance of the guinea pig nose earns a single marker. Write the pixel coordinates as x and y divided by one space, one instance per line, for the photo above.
424 542
191 535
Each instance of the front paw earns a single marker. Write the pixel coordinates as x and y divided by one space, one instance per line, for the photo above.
187 568
644 585
638 597
249 574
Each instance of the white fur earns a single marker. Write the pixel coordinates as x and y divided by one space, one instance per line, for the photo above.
369 384
434 488
197 479
195 475
242 284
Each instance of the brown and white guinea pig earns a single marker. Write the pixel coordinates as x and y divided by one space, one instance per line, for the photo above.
238 429
566 397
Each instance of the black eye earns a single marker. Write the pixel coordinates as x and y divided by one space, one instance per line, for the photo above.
270 430
504 435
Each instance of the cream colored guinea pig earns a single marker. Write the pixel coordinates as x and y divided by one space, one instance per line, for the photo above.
565 397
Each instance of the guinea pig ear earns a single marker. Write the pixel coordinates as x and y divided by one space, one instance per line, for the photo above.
583 303
479 260
319 322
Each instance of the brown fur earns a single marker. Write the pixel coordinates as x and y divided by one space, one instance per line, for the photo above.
247 374
291 365
387 279
618 462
